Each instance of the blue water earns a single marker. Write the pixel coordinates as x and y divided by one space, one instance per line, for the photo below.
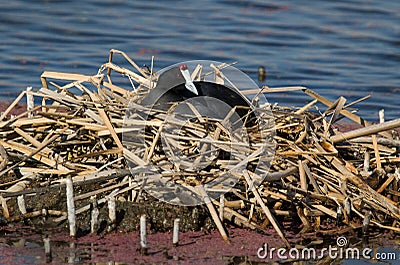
349 48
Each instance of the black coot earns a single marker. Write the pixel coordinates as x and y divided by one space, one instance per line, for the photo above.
171 88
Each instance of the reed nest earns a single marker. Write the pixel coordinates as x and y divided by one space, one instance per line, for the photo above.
71 135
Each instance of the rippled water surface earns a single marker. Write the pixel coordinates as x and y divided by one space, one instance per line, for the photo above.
349 48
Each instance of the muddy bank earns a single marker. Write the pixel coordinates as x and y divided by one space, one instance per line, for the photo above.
123 248
18 109
24 245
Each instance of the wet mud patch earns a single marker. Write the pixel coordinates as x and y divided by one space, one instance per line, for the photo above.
24 245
